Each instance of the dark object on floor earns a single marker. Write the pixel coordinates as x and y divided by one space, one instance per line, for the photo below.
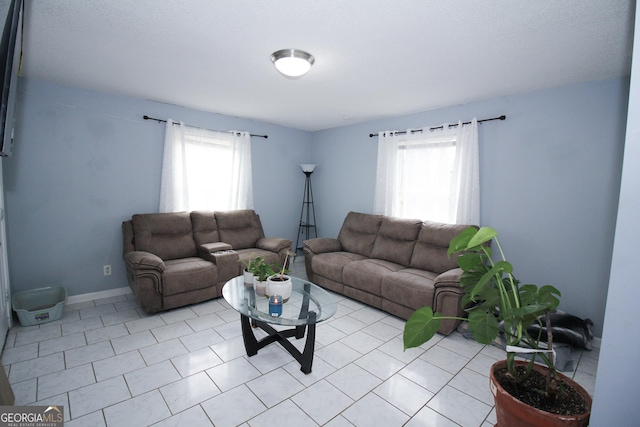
7 397
568 332
567 329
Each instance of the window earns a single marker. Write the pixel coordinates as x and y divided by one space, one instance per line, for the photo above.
205 170
424 173
429 174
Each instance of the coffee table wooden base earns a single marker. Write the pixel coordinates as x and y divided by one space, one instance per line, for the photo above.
252 345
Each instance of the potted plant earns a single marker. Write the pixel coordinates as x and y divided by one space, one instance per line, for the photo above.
279 283
261 271
498 303
247 272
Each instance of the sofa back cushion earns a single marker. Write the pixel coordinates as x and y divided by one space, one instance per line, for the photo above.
396 239
359 232
205 227
241 228
167 235
430 252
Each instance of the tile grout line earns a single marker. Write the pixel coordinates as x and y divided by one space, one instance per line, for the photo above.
350 314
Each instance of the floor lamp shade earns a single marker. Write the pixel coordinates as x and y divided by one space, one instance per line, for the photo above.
307 167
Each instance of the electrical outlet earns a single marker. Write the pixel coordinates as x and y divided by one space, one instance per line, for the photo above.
107 270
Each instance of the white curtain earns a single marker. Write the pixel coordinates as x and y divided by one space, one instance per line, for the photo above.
386 190
465 183
429 174
205 170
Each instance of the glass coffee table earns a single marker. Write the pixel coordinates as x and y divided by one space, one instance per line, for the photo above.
308 305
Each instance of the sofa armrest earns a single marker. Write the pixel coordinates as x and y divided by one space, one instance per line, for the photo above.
214 247
206 250
227 263
313 247
140 260
273 244
448 278
322 245
447 299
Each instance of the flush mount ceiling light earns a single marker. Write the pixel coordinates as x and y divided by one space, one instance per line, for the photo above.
292 63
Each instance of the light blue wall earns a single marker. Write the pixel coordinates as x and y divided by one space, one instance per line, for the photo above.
615 396
84 161
550 178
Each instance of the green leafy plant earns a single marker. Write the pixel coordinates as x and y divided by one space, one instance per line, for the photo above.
249 264
282 270
495 302
260 269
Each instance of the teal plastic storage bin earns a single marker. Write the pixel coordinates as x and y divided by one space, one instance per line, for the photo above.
39 305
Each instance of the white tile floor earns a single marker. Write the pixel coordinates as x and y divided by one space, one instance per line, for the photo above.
110 364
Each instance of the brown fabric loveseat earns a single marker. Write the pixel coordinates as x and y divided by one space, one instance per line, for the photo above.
176 259
397 265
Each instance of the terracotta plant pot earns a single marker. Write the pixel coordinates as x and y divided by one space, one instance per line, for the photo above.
511 412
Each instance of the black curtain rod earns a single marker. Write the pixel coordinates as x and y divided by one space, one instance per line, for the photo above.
503 117
164 121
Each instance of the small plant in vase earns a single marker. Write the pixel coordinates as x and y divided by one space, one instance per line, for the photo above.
249 267
279 283
261 272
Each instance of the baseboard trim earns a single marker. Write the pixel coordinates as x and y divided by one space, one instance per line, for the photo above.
74 299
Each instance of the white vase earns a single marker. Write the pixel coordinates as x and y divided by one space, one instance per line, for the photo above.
248 278
275 286
259 286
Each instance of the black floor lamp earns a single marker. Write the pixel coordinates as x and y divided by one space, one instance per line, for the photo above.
308 213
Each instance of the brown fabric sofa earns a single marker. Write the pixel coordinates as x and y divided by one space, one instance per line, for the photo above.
397 265
176 259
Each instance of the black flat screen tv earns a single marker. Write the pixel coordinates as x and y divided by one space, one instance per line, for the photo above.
10 58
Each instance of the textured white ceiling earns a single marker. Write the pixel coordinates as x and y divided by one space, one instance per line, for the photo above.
374 58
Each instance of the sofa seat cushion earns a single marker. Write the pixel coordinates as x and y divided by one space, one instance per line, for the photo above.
188 274
331 264
366 275
409 287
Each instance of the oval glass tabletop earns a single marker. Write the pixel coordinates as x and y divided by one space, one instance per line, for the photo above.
305 297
